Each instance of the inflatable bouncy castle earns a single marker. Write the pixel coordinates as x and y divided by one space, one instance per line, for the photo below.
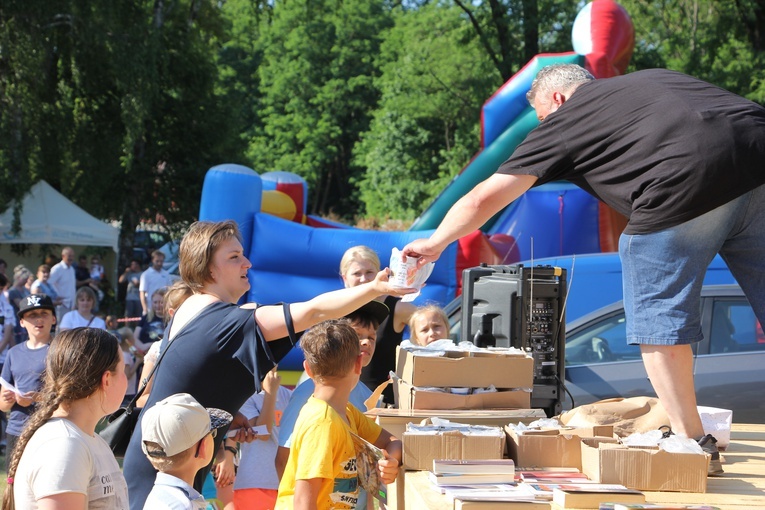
296 256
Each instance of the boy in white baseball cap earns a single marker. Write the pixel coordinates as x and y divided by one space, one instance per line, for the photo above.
178 438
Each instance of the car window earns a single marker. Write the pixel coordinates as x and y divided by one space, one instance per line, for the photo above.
602 342
735 327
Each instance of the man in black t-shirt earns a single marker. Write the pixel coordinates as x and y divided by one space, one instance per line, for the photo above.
685 162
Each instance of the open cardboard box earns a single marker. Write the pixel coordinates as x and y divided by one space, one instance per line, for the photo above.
466 369
645 469
422 447
395 420
536 448
409 397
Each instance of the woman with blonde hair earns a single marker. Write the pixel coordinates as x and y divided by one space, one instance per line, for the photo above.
358 266
219 351
152 326
82 316
59 461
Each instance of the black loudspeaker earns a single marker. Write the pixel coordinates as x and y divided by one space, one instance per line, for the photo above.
522 307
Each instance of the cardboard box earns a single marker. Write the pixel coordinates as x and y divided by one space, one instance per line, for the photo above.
646 469
466 369
409 397
421 448
395 420
552 447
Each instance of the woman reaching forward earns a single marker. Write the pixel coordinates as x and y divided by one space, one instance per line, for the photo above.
225 350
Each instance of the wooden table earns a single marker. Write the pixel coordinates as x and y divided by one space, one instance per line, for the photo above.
742 487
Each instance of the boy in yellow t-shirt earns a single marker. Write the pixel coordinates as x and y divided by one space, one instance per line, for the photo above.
321 470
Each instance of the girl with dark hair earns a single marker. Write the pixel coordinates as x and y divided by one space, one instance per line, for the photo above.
59 461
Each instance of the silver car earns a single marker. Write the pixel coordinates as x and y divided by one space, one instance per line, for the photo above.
729 364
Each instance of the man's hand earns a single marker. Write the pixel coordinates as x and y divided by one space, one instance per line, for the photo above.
423 250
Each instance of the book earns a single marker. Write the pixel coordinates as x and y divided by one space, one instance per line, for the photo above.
467 504
461 504
490 493
655 506
367 456
477 466
470 478
591 495
552 476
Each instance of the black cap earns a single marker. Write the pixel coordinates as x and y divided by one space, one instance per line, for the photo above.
35 302
379 311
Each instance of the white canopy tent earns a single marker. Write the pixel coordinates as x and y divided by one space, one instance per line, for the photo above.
48 217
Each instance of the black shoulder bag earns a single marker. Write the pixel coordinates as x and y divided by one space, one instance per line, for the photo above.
120 424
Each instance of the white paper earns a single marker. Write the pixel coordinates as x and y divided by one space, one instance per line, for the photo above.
258 430
406 274
8 386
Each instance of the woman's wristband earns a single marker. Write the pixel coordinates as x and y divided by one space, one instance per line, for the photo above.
231 449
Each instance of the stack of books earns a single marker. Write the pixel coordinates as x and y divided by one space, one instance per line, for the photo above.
592 495
655 506
472 472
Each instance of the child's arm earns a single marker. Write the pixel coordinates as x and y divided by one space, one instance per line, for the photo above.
389 466
224 471
306 494
280 461
267 415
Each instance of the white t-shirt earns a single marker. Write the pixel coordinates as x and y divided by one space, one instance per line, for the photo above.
256 465
61 458
62 279
153 280
73 320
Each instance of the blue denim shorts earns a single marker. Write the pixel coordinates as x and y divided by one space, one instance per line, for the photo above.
663 272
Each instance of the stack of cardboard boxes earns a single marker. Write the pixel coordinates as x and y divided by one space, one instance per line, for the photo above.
458 380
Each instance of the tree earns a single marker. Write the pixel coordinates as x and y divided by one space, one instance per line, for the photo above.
719 41
117 106
317 87
440 63
434 79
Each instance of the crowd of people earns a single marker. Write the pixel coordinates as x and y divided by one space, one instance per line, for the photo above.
213 406
221 360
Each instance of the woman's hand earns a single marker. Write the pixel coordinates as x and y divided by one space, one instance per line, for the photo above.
241 425
383 286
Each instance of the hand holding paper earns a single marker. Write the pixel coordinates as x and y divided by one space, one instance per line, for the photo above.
405 273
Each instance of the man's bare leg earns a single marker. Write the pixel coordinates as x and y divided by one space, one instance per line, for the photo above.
670 369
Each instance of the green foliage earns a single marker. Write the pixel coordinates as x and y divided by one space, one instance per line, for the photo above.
715 40
317 80
123 106
434 80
